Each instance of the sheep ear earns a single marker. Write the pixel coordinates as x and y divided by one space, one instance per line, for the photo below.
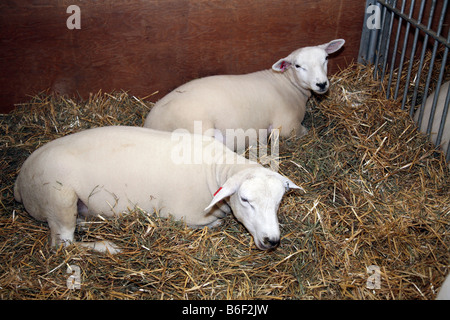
333 45
221 194
288 184
282 65
229 187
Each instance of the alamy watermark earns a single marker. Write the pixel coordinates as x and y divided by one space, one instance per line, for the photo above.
197 149
374 280
374 19
74 21
74 280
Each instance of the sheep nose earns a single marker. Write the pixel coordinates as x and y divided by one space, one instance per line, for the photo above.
271 243
322 85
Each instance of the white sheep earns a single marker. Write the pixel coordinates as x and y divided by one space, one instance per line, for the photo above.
268 99
444 291
107 171
444 90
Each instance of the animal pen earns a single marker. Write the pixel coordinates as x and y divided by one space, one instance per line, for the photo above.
373 223
412 36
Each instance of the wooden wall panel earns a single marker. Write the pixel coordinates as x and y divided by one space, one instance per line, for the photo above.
156 45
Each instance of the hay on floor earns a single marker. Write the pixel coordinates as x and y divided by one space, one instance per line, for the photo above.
377 194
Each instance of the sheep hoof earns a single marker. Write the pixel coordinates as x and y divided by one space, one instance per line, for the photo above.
101 246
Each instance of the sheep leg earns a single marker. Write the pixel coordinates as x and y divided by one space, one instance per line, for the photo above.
62 226
302 131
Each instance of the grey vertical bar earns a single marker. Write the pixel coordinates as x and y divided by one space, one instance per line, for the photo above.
441 78
387 35
443 119
411 60
430 72
394 52
379 58
369 37
419 72
402 57
447 156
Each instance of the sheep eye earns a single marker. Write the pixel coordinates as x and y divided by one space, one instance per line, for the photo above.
297 66
247 203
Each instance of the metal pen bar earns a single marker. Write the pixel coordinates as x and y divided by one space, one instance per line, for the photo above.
428 31
445 111
388 32
402 57
380 43
411 59
443 119
447 156
430 72
368 38
419 72
394 52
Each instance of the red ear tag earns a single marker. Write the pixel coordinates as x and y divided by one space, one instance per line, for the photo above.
218 190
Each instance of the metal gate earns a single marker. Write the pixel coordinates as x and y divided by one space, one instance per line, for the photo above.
398 34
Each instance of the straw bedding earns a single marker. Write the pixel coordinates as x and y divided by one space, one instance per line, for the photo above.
377 194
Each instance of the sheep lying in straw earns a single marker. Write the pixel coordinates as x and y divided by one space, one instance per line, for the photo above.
111 169
266 99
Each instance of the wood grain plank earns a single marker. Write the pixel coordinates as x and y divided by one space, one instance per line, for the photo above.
145 46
